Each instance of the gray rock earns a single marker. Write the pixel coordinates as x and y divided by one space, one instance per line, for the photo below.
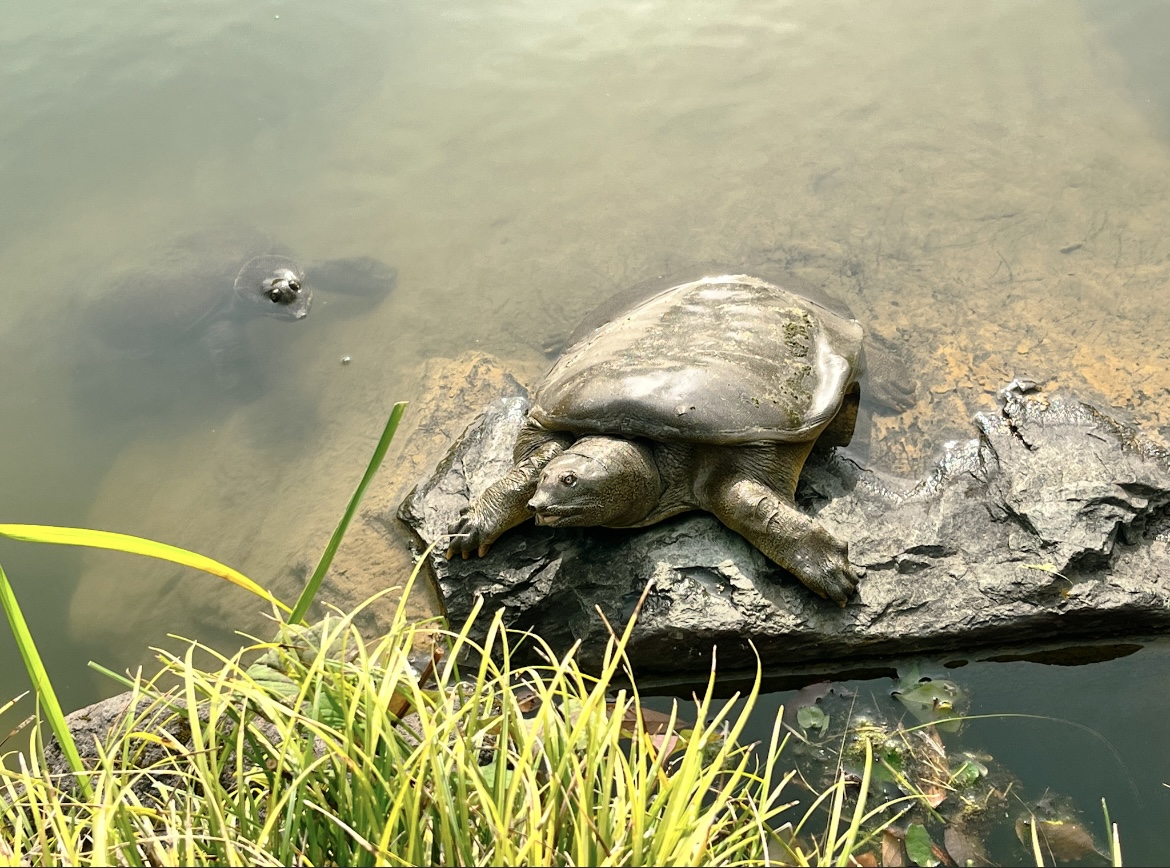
91 726
1051 525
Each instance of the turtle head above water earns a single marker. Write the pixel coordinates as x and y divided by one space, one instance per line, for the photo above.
274 286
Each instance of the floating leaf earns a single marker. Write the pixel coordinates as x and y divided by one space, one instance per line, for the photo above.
931 700
667 744
968 773
919 847
893 852
1066 840
964 849
910 678
934 797
812 717
893 759
883 774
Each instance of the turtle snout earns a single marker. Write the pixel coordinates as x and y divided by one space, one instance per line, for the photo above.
547 513
290 298
284 290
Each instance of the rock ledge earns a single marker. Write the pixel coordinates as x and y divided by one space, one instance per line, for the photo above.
1052 524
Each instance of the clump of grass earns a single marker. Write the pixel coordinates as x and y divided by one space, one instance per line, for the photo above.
326 751
329 751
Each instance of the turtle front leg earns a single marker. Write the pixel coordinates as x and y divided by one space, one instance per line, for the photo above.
791 539
225 345
359 275
505 502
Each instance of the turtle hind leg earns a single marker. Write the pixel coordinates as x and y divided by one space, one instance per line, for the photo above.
235 368
839 431
504 504
891 388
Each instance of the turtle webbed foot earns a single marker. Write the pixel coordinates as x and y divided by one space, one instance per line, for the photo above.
466 536
472 532
822 564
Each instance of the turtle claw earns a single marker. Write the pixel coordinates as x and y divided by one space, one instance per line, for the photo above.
822 564
834 581
842 591
467 537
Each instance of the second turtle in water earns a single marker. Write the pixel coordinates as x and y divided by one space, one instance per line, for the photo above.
709 395
200 289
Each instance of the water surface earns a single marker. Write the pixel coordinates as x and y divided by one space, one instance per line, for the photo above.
985 184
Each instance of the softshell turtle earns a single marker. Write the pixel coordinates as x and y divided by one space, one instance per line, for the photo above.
708 395
200 288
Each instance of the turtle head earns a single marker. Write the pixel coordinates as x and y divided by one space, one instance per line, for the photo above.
607 481
274 286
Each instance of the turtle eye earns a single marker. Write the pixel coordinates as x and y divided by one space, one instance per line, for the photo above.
569 479
294 285
275 295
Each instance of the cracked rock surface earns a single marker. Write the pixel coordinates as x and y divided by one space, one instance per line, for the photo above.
1052 524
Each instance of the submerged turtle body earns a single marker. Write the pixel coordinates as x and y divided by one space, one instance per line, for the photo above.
195 281
708 395
198 290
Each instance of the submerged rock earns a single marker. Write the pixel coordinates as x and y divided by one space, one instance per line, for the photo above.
1051 524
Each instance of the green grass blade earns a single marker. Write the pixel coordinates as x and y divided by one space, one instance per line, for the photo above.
314 583
135 545
1037 853
859 808
110 673
1114 838
40 680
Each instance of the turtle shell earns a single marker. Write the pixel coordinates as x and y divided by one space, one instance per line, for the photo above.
723 360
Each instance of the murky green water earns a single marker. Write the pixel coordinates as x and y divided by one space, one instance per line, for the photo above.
987 184
1044 733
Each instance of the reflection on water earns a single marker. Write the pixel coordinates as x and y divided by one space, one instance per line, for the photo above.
984 184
